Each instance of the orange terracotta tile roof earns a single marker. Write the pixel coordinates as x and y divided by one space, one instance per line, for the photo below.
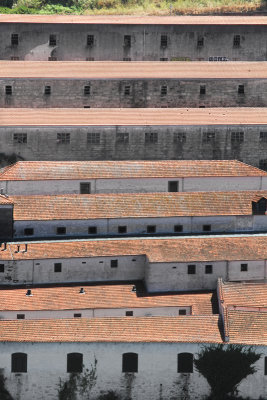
189 249
134 20
195 329
245 294
133 70
5 200
247 327
132 116
133 205
101 296
83 170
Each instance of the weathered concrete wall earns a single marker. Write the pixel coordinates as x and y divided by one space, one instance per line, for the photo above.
108 44
42 143
142 93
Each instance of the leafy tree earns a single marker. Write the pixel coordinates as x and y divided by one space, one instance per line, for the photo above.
225 366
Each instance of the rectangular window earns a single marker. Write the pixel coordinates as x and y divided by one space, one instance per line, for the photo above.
2 268
90 40
208 137
28 231
208 269
163 41
93 138
90 59
122 137
200 41
241 89
263 164
202 90
92 230
191 269
206 228
20 138
237 137
182 312
178 228
57 267
163 59
127 90
61 230
151 228
114 263
129 313
85 187
14 39
87 90
122 229
8 90
63 138
52 40
151 137
14 58
263 137
236 41
77 315
20 316
127 59
52 58
244 267
47 90
173 186
179 137
163 90
127 41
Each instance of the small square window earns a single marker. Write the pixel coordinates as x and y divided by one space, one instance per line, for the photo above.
8 90
90 40
208 137
61 230
244 267
127 90
57 267
129 313
179 137
114 263
263 164
206 228
151 137
63 138
77 315
191 269
28 231
182 312
52 40
127 59
173 186
151 228
2 268
92 230
93 137
14 39
241 89
202 90
200 42
163 90
20 316
20 138
122 229
87 90
236 41
122 137
47 90
85 187
178 228
127 41
163 41
208 269
263 137
237 137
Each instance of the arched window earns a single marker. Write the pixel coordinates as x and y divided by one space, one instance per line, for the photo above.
19 362
130 362
185 362
74 362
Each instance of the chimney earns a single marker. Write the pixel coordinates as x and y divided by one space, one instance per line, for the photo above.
29 292
18 247
26 248
4 248
82 291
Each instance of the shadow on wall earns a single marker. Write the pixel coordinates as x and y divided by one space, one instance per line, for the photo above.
7 159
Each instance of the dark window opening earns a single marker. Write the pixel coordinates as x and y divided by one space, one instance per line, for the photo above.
129 313
127 90
93 137
90 40
241 89
263 137
52 58
151 137
127 40
77 315
191 269
130 362
20 138
163 90
200 42
2 268
114 263
208 269
92 230
265 365
85 187
28 231
57 267
206 228
263 164
14 58
20 316
178 228
236 41
87 90
47 90
8 90
122 137
74 362
179 137
244 267
14 39
90 59
163 59
182 312
122 229
61 230
127 59
52 40
185 363
63 138
259 207
173 186
237 137
163 41
208 137
19 362
202 90
151 228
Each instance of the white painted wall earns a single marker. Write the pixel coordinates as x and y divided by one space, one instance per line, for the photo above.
256 270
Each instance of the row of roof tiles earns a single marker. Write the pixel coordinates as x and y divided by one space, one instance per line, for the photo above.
133 205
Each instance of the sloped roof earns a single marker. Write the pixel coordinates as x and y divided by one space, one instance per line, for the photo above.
244 294
247 327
